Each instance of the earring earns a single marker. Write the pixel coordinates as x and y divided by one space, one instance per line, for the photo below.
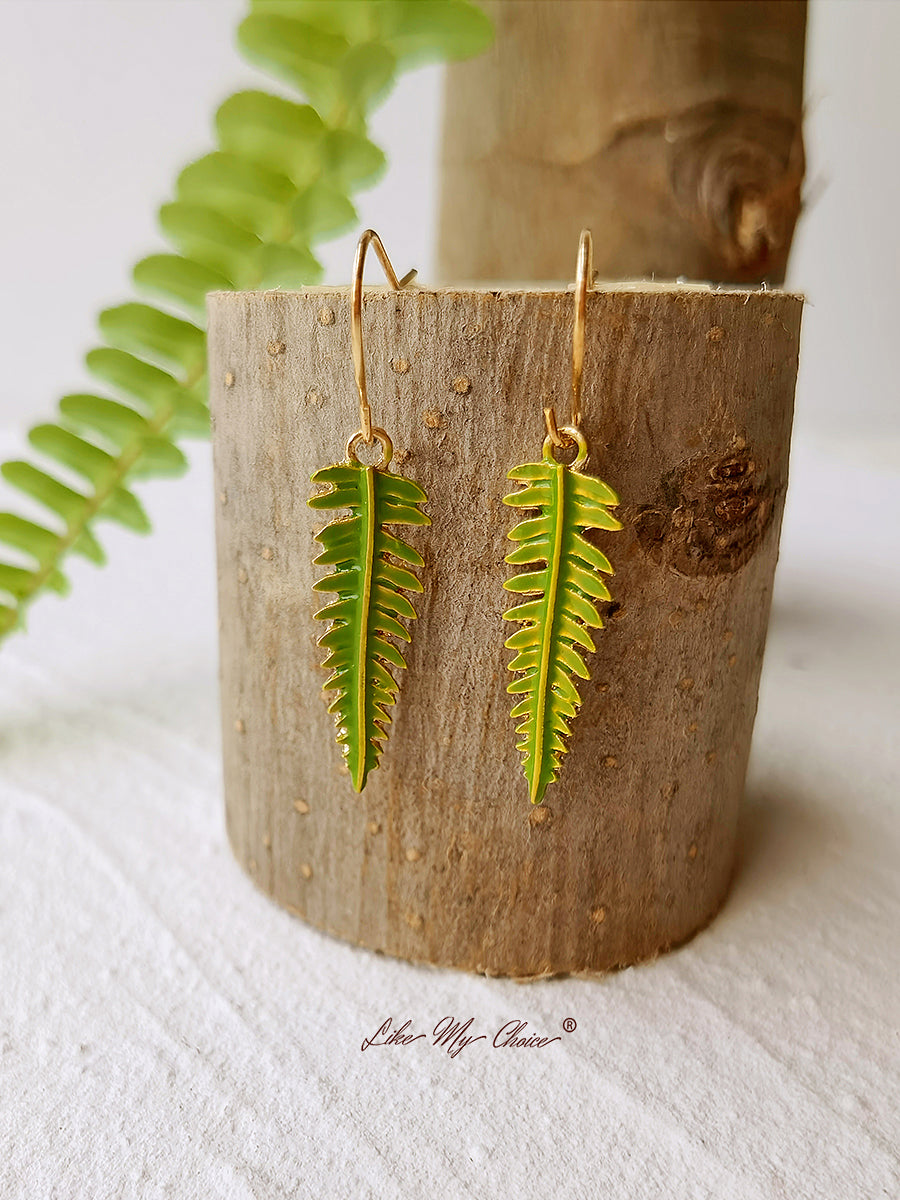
554 635
366 575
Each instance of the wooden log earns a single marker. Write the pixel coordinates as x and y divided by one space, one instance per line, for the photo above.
687 402
671 128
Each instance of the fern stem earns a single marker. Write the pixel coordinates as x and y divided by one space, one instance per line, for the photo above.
124 463
557 505
367 516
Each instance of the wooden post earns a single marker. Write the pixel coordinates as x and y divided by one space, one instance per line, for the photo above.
687 402
671 128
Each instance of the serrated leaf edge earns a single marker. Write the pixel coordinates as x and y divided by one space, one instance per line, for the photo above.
557 622
363 571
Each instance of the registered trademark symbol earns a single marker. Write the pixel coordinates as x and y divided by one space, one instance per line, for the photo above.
570 1025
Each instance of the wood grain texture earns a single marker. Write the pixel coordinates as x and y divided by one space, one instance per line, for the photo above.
671 128
687 399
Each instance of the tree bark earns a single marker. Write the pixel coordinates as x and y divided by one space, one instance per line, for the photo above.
687 401
671 128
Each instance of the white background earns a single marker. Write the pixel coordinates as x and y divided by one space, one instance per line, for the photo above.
103 101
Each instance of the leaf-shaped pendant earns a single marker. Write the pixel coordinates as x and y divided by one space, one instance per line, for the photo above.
555 624
369 584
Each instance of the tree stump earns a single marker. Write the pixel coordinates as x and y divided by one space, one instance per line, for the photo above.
671 128
687 409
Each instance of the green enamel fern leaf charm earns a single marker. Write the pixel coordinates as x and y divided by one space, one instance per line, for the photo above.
554 635
369 582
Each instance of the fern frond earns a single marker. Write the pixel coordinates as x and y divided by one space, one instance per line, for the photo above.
556 622
370 607
247 215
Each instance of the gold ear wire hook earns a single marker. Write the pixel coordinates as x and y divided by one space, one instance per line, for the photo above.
583 278
356 340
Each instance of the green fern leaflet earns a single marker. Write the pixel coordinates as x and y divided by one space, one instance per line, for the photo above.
281 179
370 607
554 635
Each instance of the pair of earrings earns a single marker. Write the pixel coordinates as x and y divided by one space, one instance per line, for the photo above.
372 568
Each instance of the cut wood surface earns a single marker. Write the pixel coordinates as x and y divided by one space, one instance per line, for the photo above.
672 128
687 410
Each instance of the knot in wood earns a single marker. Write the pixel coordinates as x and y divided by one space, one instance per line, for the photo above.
713 513
736 173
